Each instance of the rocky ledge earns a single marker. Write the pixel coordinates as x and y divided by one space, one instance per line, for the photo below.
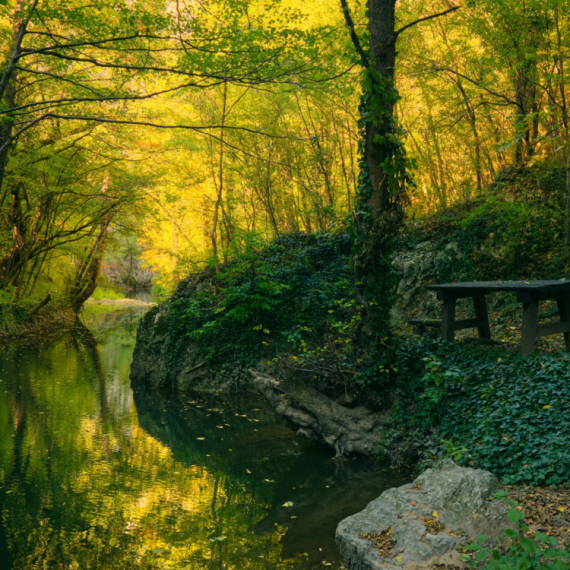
425 521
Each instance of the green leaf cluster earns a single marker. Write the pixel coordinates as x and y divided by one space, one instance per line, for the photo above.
526 550
508 414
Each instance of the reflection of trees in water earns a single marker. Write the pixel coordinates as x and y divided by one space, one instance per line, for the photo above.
83 494
323 491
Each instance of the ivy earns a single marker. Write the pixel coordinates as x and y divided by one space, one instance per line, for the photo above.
508 414
376 227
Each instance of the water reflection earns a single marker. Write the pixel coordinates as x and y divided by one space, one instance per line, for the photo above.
91 477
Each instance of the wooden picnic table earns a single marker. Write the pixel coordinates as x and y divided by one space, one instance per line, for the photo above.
529 293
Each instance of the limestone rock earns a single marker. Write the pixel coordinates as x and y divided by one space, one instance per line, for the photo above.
458 495
416 269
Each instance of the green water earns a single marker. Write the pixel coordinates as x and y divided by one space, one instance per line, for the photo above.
94 476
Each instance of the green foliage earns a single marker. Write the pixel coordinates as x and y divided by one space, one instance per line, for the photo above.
525 550
107 293
275 297
493 410
497 239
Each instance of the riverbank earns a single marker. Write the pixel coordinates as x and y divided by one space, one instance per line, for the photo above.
26 321
95 474
49 321
286 312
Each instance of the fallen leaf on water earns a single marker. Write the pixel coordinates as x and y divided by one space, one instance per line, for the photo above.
288 504
200 438
248 471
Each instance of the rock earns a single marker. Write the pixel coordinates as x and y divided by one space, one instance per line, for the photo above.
416 269
160 362
458 495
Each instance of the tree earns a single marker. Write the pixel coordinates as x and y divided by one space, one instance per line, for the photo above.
384 169
101 64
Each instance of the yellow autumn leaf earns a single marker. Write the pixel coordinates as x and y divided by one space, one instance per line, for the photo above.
546 407
435 515
400 558
561 509
200 438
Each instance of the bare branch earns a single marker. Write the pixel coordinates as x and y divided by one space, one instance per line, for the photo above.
202 129
353 35
425 19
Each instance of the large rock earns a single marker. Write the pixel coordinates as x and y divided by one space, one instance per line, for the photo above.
461 498
164 360
416 269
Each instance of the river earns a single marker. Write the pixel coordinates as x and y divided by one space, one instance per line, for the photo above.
96 476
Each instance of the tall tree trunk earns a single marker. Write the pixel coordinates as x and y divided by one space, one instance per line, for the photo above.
10 265
219 182
381 195
8 80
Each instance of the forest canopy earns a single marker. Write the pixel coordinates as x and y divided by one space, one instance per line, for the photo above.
197 127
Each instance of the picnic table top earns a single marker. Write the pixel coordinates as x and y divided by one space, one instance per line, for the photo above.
513 286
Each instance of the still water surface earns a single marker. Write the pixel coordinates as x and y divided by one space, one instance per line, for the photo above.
94 476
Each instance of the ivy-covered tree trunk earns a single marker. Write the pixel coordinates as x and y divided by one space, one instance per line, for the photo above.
383 174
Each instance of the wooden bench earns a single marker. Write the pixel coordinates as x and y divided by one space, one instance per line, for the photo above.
529 293
420 326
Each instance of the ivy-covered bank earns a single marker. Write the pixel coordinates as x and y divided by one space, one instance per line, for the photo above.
487 408
287 309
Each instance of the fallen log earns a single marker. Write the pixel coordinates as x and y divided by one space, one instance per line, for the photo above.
40 305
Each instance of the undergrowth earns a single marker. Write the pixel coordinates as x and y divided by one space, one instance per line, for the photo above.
514 231
285 296
491 409
292 301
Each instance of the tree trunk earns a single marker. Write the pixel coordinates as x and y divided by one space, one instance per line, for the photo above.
381 195
88 273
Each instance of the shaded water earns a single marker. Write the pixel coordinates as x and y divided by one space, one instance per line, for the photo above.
93 476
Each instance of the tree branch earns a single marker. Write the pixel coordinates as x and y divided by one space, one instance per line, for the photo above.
353 35
17 49
202 129
424 19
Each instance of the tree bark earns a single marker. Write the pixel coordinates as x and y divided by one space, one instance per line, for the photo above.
382 195
88 273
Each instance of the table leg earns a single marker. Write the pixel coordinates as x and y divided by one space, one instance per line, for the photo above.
448 319
564 312
529 327
481 313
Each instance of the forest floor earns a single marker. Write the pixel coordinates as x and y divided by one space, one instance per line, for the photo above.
547 510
